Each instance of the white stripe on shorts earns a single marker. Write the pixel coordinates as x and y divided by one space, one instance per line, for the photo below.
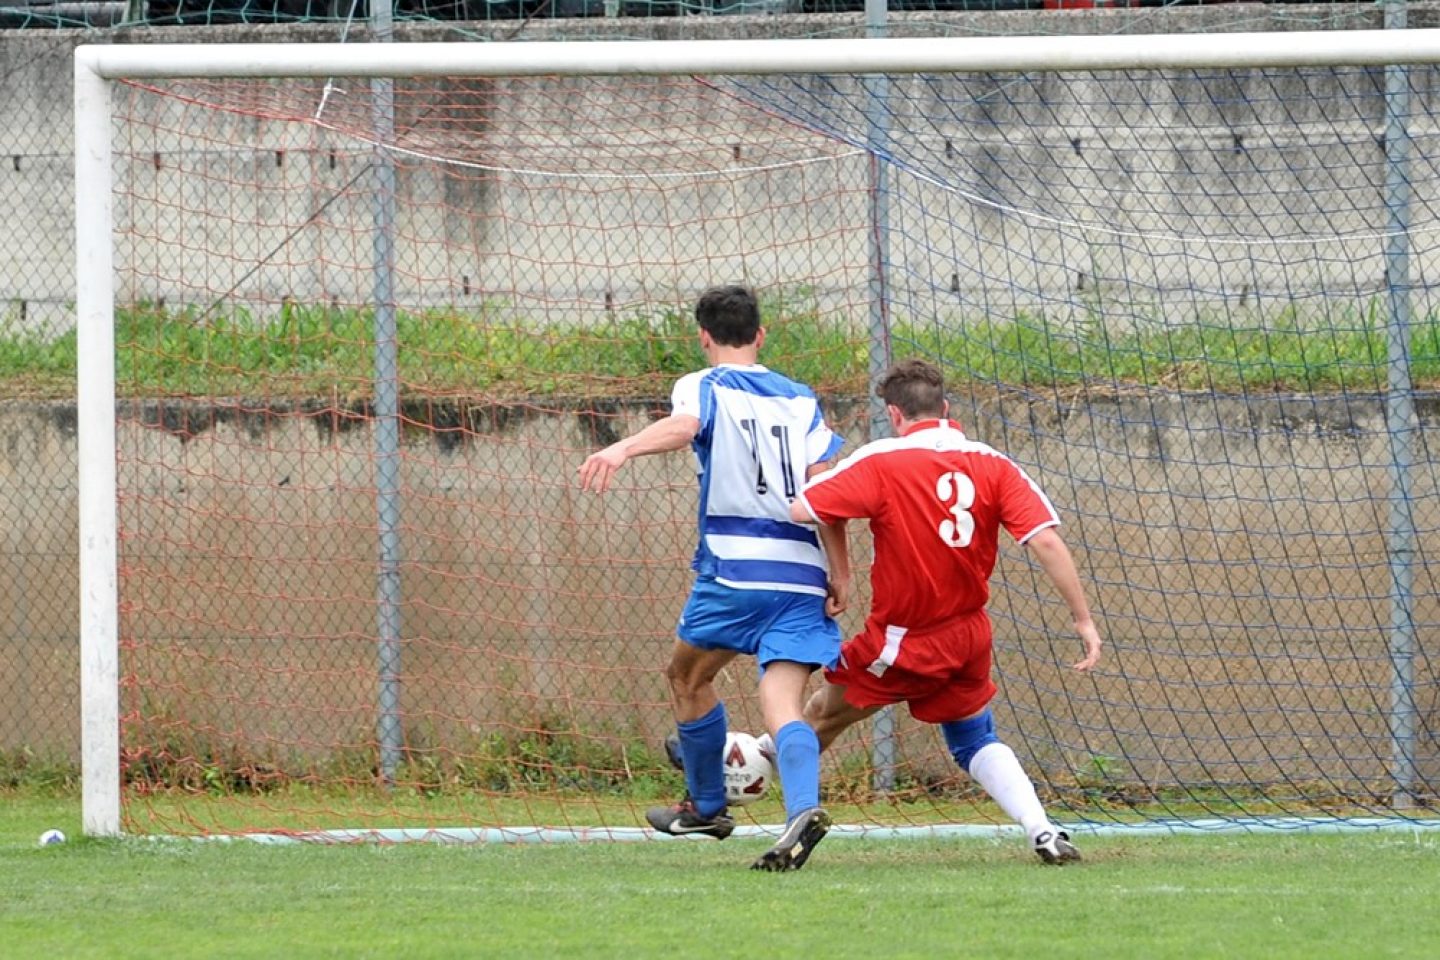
886 660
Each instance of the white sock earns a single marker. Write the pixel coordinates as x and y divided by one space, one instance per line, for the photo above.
996 768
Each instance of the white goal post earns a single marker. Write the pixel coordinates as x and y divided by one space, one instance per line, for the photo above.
96 68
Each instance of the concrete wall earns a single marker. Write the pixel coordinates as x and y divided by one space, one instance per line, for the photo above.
1234 550
1082 199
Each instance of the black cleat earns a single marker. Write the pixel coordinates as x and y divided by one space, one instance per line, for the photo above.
682 820
1054 846
672 752
795 844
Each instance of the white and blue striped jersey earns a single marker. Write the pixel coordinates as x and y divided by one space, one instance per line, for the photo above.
759 433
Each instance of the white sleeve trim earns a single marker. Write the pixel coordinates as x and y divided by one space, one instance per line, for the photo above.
1048 523
805 502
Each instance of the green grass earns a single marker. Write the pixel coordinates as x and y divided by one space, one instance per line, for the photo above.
1272 896
317 350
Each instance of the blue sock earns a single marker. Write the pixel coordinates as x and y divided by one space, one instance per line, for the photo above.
797 752
702 742
965 738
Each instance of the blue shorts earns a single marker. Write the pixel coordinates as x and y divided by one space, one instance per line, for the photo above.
767 624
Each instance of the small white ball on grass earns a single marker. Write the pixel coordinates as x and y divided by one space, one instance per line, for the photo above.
51 837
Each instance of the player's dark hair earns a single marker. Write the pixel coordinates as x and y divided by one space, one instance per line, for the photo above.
916 387
730 314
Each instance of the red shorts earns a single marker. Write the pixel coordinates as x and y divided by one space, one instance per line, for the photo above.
943 674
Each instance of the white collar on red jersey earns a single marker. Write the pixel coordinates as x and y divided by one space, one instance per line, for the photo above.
933 424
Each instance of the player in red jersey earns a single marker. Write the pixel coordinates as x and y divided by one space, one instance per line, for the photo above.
936 501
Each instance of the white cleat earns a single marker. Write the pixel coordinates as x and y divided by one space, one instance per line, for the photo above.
1054 846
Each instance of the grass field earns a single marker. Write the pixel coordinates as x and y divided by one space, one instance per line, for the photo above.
1360 895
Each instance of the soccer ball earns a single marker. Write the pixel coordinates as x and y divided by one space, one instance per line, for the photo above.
51 837
748 771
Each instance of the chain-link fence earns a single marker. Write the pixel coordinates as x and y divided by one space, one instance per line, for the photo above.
38 610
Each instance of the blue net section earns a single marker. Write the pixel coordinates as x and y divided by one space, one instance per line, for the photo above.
1176 299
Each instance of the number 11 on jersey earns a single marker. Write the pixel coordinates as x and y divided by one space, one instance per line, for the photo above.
787 468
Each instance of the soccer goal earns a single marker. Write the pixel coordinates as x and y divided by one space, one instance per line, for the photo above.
349 318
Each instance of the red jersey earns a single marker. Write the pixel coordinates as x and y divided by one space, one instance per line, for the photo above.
936 502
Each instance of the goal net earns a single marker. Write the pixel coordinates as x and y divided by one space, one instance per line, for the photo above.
339 579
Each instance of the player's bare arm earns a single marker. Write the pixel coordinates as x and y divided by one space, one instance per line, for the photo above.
835 539
664 435
1055 559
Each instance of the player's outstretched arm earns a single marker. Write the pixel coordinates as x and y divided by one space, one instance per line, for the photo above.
1054 557
664 435
835 539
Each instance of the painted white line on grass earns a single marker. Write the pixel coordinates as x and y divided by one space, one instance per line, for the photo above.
536 834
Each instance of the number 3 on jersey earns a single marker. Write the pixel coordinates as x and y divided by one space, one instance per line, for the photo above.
957 492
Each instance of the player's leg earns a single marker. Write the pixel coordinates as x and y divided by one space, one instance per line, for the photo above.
830 714
830 710
851 692
993 765
798 640
797 748
966 693
690 675
827 711
797 759
701 724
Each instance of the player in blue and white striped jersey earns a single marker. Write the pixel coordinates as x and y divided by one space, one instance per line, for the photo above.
761 585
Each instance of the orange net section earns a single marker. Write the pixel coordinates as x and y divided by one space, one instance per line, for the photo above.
550 239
